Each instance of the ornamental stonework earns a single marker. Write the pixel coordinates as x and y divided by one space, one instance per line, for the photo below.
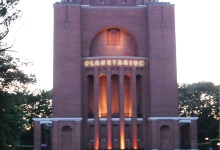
113 36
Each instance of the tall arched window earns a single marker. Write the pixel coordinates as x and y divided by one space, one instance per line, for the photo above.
90 92
127 96
115 95
102 96
138 88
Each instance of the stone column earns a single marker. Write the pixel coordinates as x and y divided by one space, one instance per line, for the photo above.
121 104
109 123
145 105
85 103
96 109
134 108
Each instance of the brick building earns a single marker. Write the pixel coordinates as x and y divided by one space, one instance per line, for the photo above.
115 81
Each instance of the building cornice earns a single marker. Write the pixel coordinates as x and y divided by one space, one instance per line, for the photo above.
50 120
180 119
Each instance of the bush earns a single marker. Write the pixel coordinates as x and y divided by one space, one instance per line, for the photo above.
25 147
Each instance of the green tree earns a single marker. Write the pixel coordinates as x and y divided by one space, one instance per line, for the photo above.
35 106
8 14
17 107
13 81
11 120
201 100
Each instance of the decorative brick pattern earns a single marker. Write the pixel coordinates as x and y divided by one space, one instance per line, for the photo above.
113 36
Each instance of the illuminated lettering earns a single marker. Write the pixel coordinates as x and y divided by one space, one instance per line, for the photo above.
86 63
119 62
130 62
102 62
141 63
135 62
91 63
125 62
97 63
109 62
114 62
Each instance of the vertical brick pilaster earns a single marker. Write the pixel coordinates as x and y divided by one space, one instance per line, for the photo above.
96 109
77 137
37 135
85 108
176 134
134 108
145 105
193 134
109 124
55 134
121 104
154 134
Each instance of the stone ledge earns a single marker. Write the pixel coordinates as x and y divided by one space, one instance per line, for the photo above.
180 119
50 120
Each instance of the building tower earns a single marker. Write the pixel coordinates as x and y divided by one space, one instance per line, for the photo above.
115 81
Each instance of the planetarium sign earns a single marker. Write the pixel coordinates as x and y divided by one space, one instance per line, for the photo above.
114 62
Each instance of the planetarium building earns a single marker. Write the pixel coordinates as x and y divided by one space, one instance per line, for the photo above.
115 84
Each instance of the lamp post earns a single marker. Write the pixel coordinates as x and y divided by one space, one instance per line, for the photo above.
207 139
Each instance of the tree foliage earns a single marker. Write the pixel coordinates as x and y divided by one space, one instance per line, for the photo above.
12 78
12 82
11 123
8 14
201 100
35 106
17 105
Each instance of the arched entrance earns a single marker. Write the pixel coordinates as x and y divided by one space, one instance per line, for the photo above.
66 138
165 138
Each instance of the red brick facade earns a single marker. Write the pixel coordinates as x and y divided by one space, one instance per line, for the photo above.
115 78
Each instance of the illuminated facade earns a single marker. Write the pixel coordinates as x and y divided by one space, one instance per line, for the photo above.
115 78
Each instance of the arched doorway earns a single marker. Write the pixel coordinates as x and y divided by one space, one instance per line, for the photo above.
66 138
165 138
